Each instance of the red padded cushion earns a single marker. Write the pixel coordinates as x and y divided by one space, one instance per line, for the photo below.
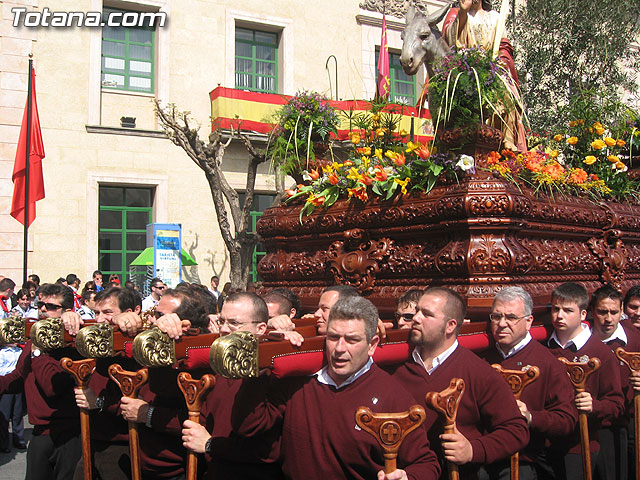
391 353
540 332
128 349
298 364
475 341
197 357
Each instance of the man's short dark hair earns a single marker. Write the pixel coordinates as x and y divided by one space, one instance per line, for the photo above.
412 295
633 292
35 278
356 308
283 303
605 292
71 279
191 306
29 284
343 291
23 292
58 290
454 307
6 284
86 295
127 298
260 313
155 281
289 295
208 301
216 277
97 272
571 292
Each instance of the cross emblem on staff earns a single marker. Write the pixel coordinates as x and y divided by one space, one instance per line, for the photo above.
515 383
390 432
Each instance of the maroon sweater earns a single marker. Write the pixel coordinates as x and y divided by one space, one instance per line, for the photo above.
550 398
488 415
604 387
633 345
233 455
320 438
108 425
51 402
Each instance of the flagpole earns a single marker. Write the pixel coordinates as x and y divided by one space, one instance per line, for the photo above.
26 173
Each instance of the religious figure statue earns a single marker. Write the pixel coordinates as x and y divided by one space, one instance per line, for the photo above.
475 24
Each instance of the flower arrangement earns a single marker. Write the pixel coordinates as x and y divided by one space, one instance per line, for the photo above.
306 118
584 158
382 162
467 85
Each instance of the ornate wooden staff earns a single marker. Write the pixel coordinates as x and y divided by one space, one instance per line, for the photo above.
517 380
130 383
194 391
578 373
82 371
390 429
632 360
446 403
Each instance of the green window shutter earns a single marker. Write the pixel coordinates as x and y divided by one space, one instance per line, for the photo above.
403 86
256 60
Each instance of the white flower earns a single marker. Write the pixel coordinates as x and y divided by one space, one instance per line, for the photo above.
388 170
465 163
305 176
560 159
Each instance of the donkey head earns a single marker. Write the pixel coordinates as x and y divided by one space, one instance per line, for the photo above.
422 40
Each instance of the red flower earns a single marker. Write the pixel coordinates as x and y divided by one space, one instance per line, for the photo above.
381 175
366 180
399 159
333 179
494 158
314 174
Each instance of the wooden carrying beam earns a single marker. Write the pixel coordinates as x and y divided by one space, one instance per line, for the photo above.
632 360
82 371
194 391
517 380
578 373
130 383
446 403
390 430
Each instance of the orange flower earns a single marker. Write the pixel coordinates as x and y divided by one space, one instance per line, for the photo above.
578 176
314 174
347 163
572 140
366 180
534 164
557 137
609 141
399 159
289 192
364 150
508 153
613 158
620 165
494 157
554 170
554 153
620 143
354 137
598 144
589 160
573 123
333 179
381 175
423 152
359 192
314 200
598 128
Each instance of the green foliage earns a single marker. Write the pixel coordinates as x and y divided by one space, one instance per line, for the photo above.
566 47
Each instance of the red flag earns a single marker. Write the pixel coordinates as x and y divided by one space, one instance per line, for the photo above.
36 154
384 73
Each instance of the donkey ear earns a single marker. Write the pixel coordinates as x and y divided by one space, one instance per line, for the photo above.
411 13
437 16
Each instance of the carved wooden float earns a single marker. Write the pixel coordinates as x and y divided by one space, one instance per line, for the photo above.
476 237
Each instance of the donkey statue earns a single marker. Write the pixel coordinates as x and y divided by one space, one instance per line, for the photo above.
422 41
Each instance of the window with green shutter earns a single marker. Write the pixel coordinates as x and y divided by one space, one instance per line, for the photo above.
122 223
256 60
403 86
128 55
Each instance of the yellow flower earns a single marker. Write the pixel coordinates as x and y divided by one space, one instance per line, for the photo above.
375 117
613 158
403 184
572 140
403 132
590 160
557 137
598 144
609 141
598 128
620 143
354 137
378 153
620 165
381 131
365 161
353 174
554 153
412 146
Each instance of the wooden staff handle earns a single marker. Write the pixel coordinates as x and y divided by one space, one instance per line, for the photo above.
632 360
517 380
82 371
130 383
194 391
578 373
390 429
446 403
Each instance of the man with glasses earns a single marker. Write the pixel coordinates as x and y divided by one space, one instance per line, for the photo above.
547 403
157 289
489 425
55 447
